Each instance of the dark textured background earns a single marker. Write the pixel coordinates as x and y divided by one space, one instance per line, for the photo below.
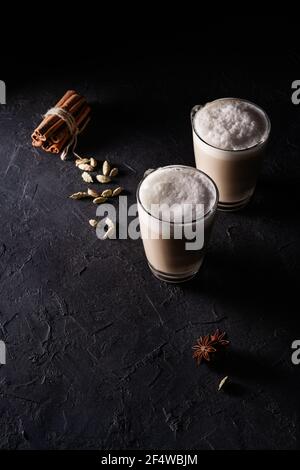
99 351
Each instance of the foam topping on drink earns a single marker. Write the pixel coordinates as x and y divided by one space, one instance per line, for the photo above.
231 124
181 188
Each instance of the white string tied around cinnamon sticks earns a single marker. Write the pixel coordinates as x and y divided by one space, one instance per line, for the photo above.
72 126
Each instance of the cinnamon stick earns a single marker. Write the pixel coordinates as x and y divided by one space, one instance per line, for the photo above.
58 132
53 134
49 120
59 146
64 135
70 106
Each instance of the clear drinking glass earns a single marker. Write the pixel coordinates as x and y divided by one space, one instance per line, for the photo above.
235 172
168 258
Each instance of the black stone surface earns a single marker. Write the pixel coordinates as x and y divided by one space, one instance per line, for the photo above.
99 351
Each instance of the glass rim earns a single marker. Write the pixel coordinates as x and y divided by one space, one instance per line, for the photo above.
205 215
195 109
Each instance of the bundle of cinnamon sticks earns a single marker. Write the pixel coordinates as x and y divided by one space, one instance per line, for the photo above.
53 134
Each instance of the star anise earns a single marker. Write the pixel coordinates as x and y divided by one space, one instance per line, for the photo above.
218 338
209 344
203 349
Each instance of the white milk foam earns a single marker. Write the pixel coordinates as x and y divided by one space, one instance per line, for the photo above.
231 124
181 188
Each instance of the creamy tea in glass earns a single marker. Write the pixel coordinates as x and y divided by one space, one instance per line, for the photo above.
172 253
230 137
